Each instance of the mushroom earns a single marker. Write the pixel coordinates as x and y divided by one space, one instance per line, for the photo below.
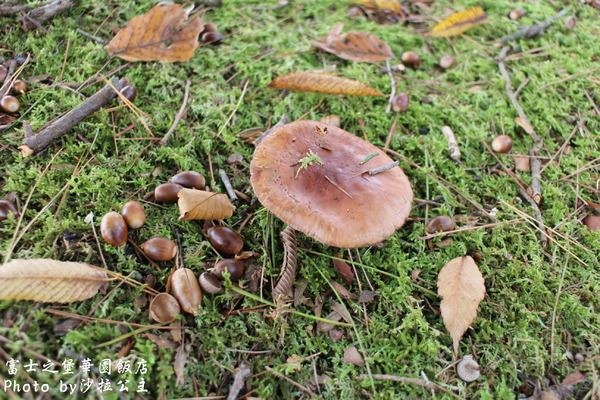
330 184
468 369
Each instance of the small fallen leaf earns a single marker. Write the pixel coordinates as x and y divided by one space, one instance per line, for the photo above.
162 34
179 364
199 204
462 287
352 356
522 163
524 124
342 291
344 271
323 326
355 46
366 296
294 361
459 22
50 281
308 81
394 5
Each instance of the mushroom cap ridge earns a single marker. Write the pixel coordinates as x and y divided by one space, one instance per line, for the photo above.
336 203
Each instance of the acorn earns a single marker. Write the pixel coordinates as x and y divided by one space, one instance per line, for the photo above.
411 59
129 92
400 102
167 192
164 308
225 240
209 27
10 104
189 179
19 87
441 223
502 144
211 37
3 73
134 214
159 249
7 207
446 61
210 284
114 229
516 13
186 290
234 267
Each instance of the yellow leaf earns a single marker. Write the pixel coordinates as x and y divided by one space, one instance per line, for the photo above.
462 287
459 22
308 81
199 204
394 5
355 46
50 280
162 34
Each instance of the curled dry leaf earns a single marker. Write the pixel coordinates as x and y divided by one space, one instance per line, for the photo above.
179 365
199 204
162 34
394 5
50 280
308 81
355 46
352 356
462 287
459 23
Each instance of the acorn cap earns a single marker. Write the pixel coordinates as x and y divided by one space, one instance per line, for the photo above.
338 203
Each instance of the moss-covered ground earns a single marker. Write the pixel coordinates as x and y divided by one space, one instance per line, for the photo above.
539 317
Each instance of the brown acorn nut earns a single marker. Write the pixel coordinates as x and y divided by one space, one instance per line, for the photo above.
19 87
502 144
186 290
10 104
231 265
167 192
592 222
189 179
225 239
441 223
7 207
209 27
400 102
446 61
516 13
129 92
411 59
210 284
114 229
159 249
164 308
211 37
134 214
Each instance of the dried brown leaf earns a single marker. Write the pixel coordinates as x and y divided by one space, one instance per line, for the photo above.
162 34
308 81
355 46
179 364
352 356
394 5
522 163
345 272
160 341
462 287
199 204
459 22
50 281
524 124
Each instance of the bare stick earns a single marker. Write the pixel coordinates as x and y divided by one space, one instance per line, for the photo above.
34 18
283 288
341 189
163 141
381 169
92 37
10 66
534 162
227 183
284 120
65 123
8 10
472 228
241 373
452 144
299 386
414 381
533 30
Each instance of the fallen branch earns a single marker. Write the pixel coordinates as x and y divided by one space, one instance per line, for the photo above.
186 95
7 10
533 30
241 373
62 125
34 18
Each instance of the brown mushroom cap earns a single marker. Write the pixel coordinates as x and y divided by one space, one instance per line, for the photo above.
337 203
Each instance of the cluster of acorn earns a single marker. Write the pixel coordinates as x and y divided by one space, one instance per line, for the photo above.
187 288
210 34
9 102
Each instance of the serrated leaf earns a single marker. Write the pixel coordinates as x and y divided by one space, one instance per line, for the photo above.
355 46
162 34
462 287
308 81
50 281
459 22
199 204
394 5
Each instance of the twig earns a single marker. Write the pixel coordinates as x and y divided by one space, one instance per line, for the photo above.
63 124
452 144
415 381
227 183
163 141
34 18
381 169
299 386
241 373
341 189
90 36
8 10
287 275
533 30
10 66
534 162
472 228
